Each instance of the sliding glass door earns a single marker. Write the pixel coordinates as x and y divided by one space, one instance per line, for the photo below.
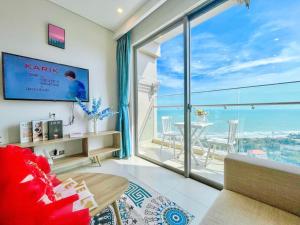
230 80
160 85
245 86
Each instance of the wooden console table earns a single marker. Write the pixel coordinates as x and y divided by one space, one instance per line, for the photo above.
73 161
106 188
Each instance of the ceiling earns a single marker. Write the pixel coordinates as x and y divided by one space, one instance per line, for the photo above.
103 12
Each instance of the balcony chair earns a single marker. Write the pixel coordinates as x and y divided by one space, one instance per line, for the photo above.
168 133
228 142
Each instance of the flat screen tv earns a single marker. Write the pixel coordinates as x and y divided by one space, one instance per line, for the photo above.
27 78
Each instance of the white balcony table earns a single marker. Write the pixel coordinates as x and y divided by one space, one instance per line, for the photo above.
197 129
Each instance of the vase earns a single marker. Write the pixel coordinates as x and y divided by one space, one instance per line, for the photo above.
95 123
202 119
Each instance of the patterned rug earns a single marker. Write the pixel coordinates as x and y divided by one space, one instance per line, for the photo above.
143 206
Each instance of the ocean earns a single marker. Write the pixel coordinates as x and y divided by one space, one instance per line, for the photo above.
250 120
272 129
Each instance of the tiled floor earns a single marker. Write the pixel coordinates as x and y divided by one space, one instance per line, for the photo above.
213 171
189 194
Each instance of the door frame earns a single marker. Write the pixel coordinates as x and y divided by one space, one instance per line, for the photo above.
185 21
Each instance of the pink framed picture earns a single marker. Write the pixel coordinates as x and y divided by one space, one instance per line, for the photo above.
56 36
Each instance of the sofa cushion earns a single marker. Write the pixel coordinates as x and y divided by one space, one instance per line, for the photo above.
276 184
231 208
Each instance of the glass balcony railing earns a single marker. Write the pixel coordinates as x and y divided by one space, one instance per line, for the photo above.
267 126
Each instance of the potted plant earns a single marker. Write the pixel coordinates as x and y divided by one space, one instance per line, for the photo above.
201 115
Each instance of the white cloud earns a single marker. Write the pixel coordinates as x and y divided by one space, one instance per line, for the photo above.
170 82
247 79
176 66
197 66
251 64
269 27
233 61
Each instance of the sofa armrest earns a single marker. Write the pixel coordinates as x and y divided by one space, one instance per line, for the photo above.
266 181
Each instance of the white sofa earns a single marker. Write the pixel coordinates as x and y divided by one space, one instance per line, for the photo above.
257 192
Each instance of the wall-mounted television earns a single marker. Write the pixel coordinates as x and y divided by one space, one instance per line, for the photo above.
27 78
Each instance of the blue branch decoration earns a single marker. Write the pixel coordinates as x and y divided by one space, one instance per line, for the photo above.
95 112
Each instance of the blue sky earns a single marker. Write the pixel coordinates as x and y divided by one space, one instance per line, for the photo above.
239 47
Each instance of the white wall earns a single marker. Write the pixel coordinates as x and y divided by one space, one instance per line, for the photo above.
147 76
23 31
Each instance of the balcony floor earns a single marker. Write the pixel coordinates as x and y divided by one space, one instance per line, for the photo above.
214 170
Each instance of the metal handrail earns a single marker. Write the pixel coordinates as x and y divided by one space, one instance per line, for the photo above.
234 88
223 105
229 104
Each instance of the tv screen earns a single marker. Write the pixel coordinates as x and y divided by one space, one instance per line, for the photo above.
26 78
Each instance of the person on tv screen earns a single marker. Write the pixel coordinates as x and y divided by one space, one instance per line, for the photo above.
76 87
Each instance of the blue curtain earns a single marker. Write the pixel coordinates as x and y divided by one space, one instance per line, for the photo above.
123 60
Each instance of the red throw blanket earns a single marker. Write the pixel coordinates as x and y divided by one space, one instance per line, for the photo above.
26 192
